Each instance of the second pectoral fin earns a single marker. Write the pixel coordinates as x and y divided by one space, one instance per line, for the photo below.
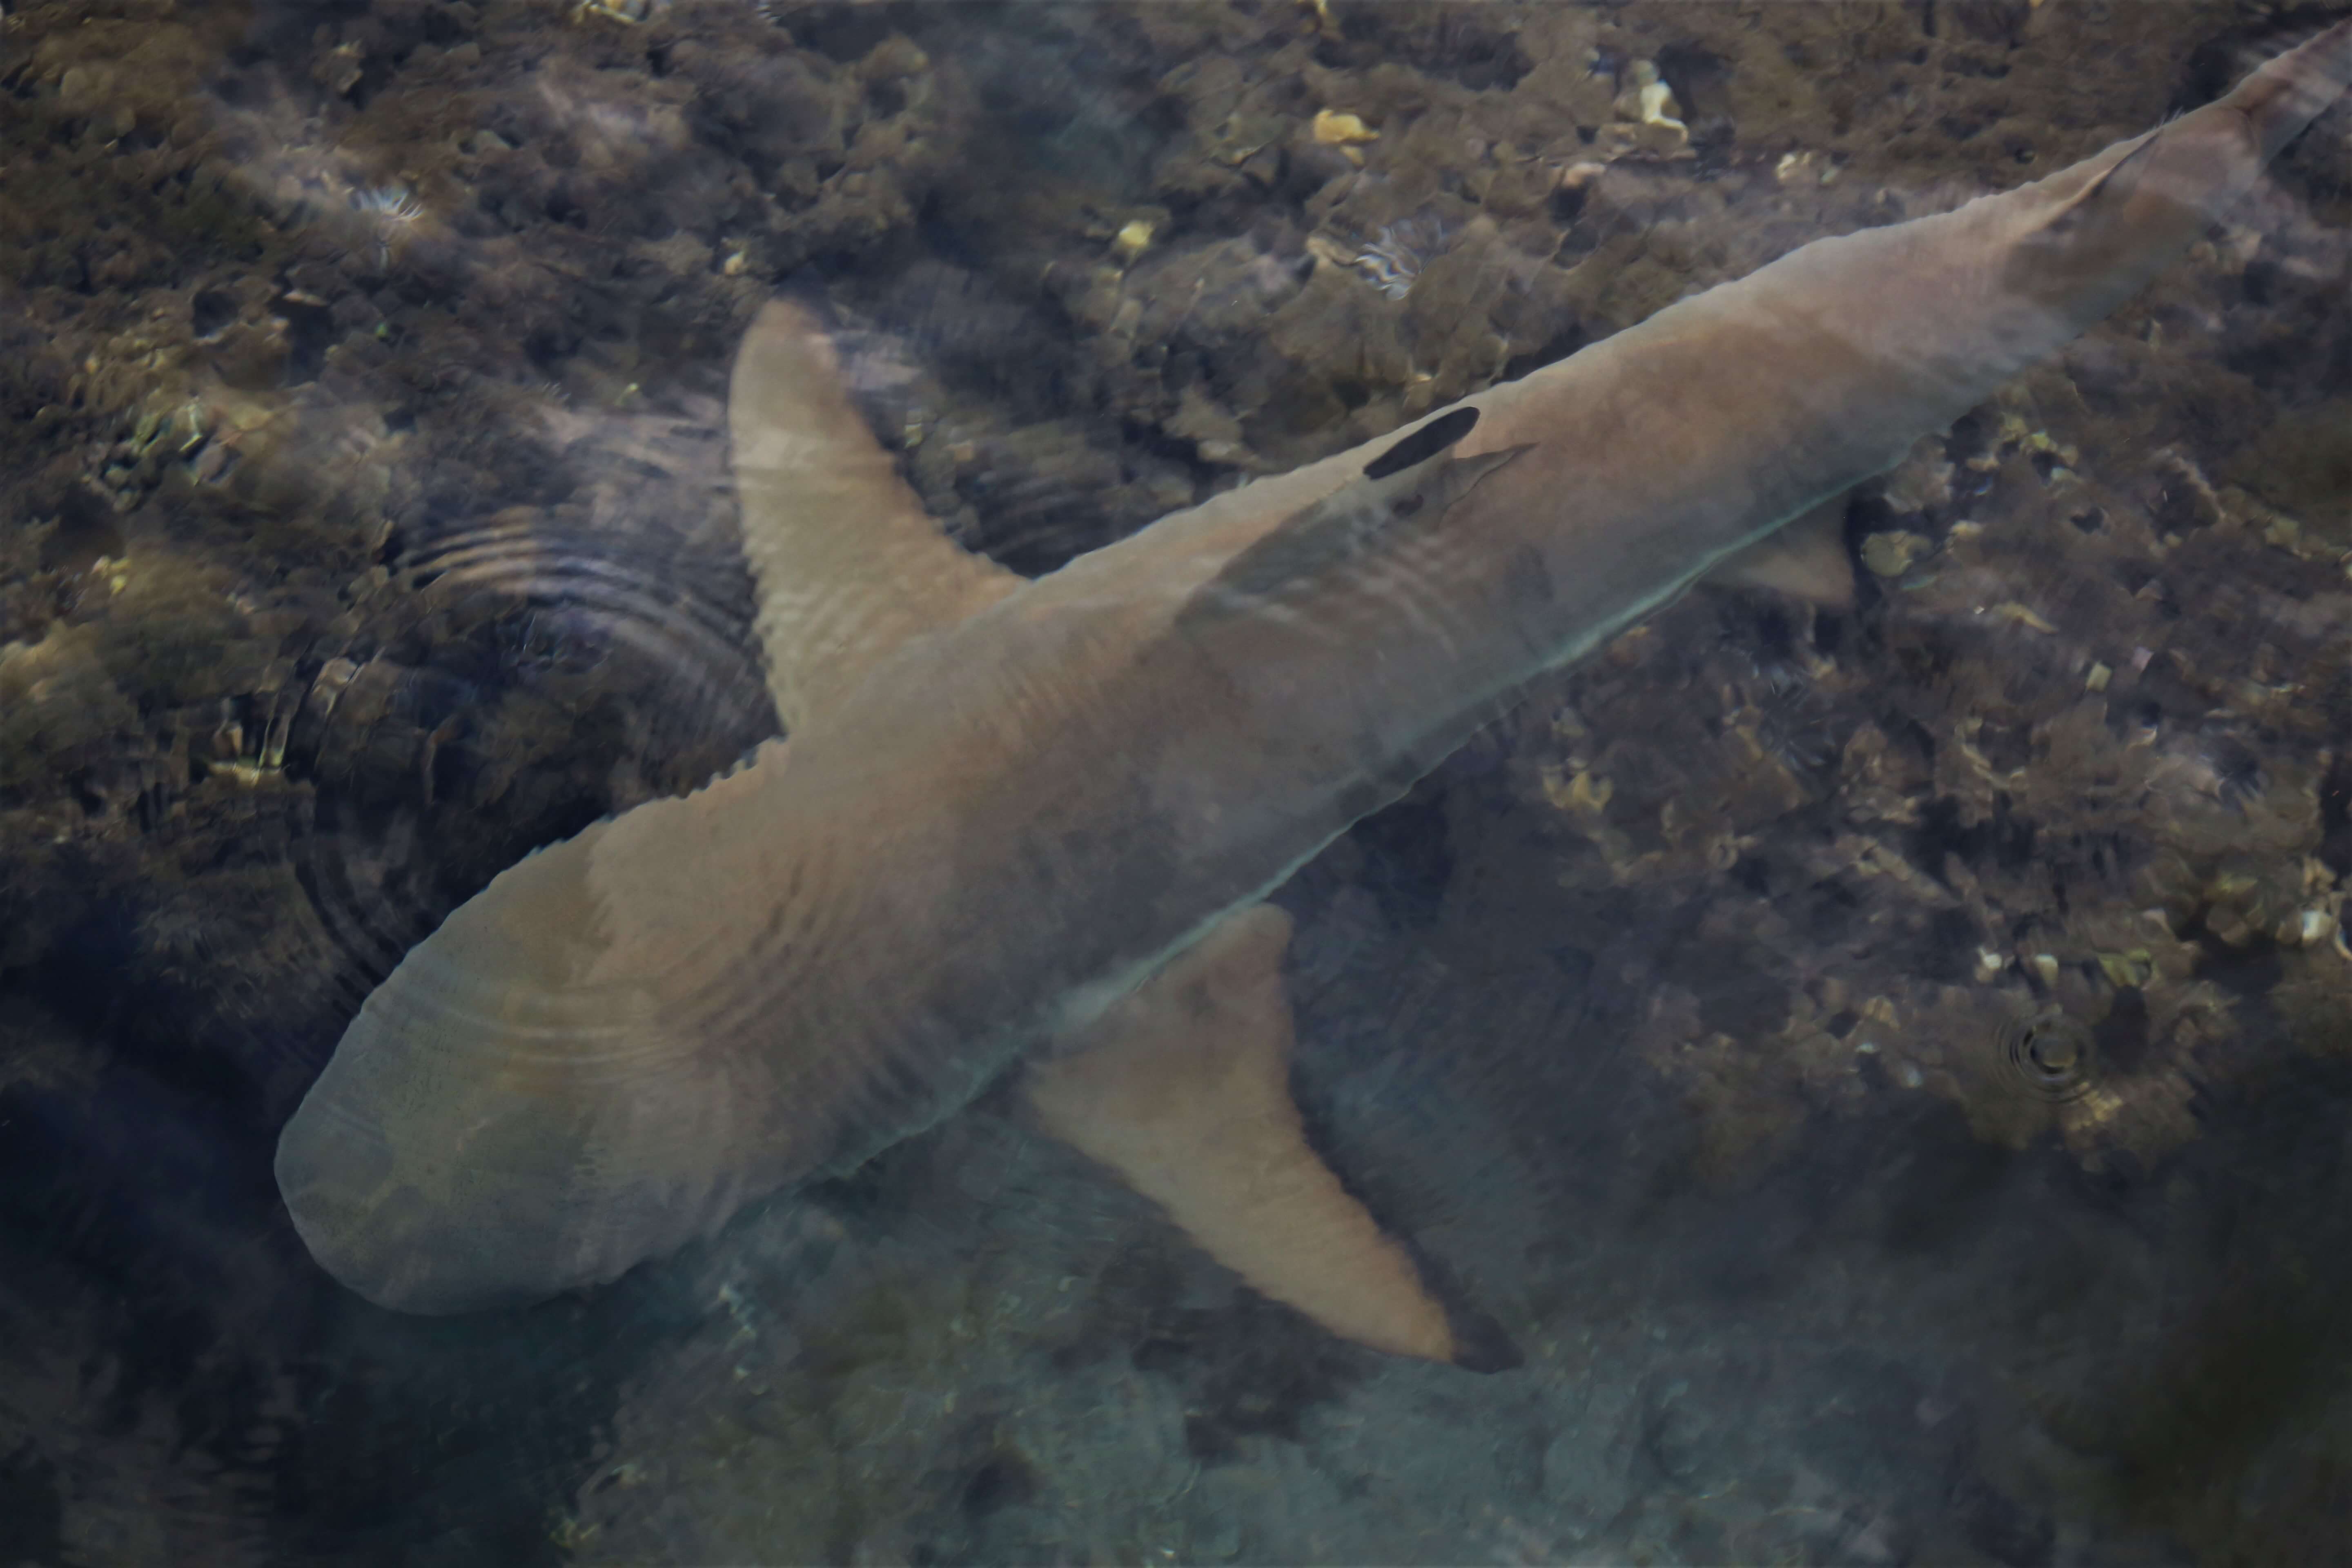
848 565
1183 1089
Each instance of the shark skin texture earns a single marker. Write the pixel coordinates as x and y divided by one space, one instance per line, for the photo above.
1029 827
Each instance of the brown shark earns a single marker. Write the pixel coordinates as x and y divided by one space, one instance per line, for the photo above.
1031 824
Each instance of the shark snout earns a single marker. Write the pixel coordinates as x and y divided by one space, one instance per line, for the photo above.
386 1237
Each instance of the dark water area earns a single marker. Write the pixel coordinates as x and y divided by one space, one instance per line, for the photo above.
1884 1072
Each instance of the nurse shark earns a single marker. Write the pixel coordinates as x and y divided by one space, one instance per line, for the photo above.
1029 827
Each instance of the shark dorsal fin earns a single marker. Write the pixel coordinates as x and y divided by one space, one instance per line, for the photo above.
1422 444
849 565
1405 493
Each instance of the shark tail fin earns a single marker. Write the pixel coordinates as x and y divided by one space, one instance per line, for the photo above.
2288 92
2122 216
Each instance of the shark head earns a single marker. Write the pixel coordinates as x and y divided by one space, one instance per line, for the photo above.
541 1094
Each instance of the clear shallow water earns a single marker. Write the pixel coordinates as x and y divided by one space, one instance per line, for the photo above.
1661 1020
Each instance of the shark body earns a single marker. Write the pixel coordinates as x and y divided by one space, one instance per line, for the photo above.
1033 824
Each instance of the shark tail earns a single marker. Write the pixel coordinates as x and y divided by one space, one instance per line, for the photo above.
2286 94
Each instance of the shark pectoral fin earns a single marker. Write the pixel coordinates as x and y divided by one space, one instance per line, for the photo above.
1183 1089
848 565
1805 558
